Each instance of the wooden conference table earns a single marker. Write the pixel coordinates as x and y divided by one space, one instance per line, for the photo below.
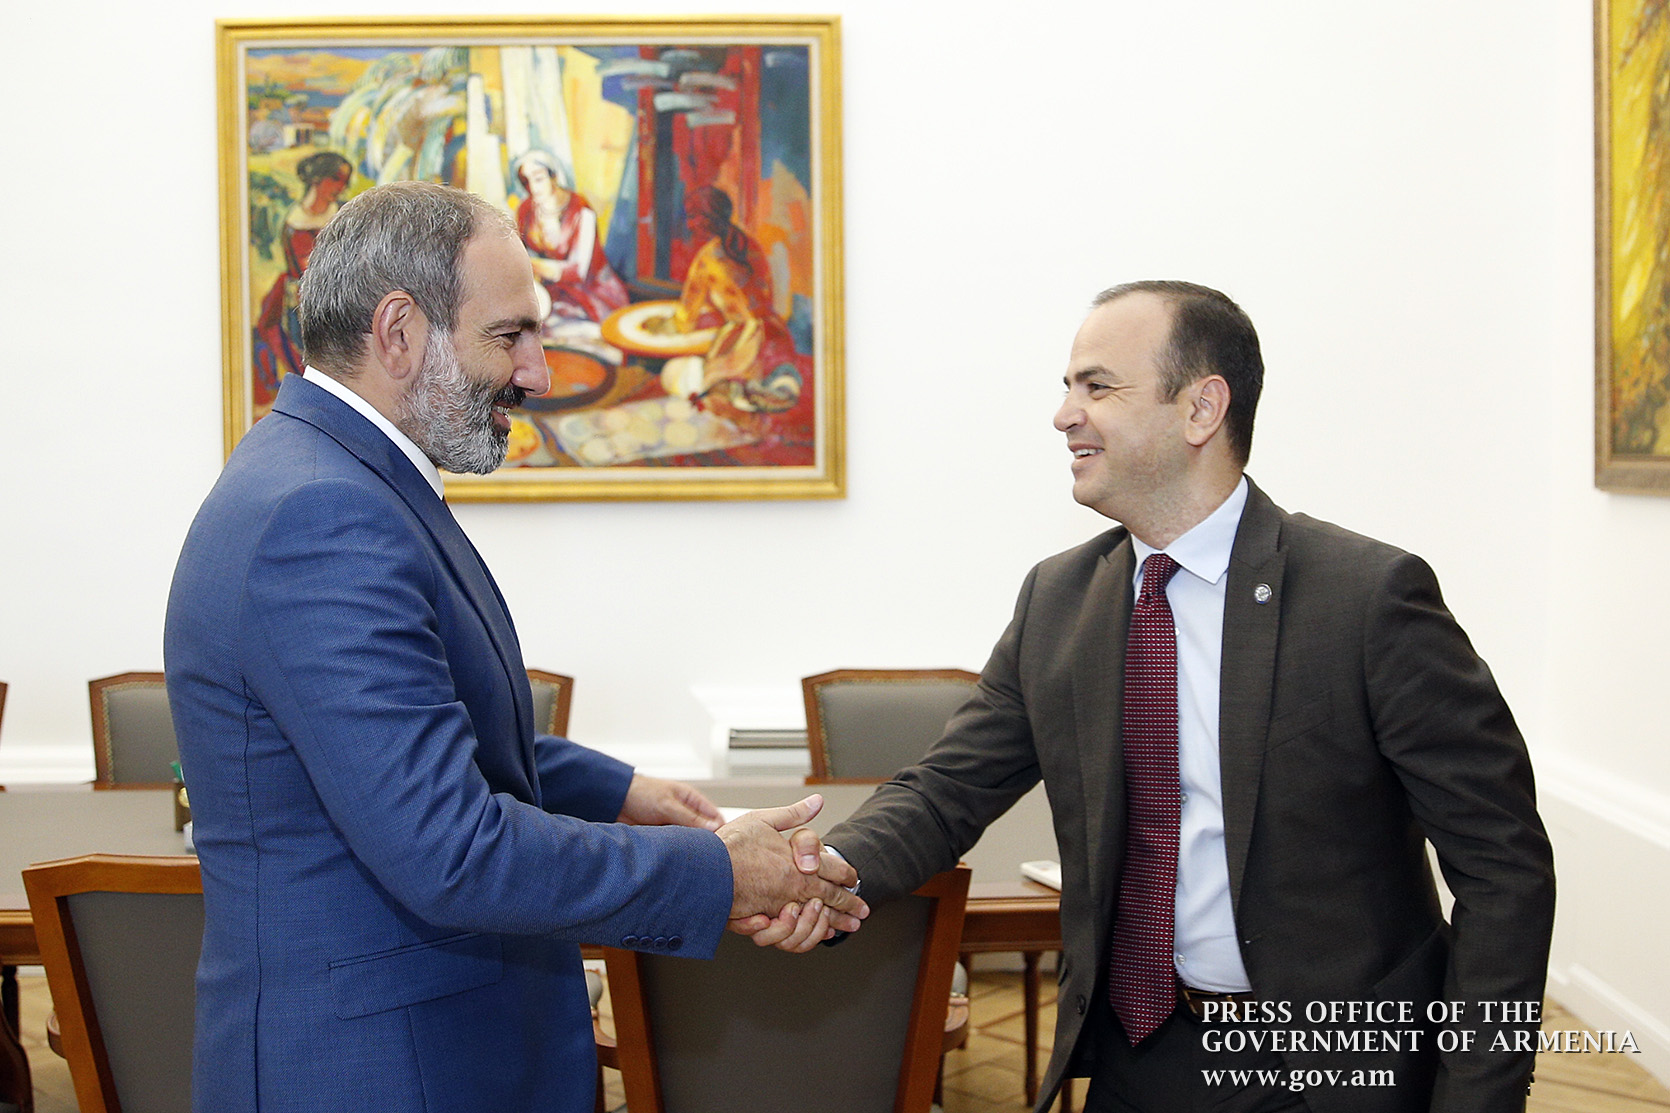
1005 912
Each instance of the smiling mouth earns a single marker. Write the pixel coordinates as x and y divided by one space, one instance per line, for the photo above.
508 399
1081 453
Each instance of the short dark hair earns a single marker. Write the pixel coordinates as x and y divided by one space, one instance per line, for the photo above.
1210 335
401 236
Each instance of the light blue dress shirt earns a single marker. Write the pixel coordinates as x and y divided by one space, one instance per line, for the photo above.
1204 946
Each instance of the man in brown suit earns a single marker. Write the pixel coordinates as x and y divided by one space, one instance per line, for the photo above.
1332 718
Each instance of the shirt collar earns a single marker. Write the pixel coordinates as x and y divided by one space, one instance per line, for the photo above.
425 466
1204 550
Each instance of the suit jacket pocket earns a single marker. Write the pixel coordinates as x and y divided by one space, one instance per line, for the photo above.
1300 721
1419 975
412 974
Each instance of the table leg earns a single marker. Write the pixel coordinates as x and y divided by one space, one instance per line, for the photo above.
1029 995
8 997
16 1085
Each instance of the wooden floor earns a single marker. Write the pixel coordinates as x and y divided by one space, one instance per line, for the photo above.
986 1077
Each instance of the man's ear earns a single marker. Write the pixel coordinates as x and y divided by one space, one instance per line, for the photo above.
399 331
1208 407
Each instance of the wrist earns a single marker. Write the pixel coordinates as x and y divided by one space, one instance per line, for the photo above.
857 884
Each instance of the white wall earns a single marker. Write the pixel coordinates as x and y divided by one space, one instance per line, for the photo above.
1400 195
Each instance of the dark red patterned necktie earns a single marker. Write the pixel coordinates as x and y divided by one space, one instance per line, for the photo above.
1142 980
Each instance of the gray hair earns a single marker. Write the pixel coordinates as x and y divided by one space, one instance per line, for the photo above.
401 236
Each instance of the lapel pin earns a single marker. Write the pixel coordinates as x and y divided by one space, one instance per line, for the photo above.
1262 593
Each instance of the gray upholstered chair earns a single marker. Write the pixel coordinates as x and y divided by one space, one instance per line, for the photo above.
119 936
864 725
553 694
856 1028
133 731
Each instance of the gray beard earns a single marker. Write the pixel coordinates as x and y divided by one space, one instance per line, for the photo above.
450 417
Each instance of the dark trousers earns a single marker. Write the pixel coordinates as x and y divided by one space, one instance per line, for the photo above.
1171 1071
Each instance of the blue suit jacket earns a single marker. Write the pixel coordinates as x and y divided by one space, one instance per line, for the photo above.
396 869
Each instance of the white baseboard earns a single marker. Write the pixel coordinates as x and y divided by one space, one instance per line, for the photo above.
1611 851
1603 1008
677 760
1640 813
24 763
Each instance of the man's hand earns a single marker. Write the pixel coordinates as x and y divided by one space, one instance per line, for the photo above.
798 929
788 895
653 802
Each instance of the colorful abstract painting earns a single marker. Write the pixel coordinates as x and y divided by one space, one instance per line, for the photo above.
676 187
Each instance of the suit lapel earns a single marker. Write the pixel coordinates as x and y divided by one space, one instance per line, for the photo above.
1098 682
1252 623
484 596
336 419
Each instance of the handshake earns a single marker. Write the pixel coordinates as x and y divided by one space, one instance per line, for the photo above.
789 893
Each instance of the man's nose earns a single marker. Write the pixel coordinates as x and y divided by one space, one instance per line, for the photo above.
531 373
1069 415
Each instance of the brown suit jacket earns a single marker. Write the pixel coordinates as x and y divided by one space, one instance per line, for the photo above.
1355 723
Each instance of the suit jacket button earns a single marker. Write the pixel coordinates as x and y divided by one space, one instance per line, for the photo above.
629 940
675 942
660 942
1079 1004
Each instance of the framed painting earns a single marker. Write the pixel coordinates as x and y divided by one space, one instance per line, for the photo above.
677 186
1632 229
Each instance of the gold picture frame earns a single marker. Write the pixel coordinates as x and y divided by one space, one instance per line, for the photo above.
1632 227
677 183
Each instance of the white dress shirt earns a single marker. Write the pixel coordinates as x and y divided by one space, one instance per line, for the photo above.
1204 944
425 466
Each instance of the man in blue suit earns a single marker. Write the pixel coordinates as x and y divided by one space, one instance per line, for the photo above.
397 870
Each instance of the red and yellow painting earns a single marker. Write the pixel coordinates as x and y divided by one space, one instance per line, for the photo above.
676 188
1633 230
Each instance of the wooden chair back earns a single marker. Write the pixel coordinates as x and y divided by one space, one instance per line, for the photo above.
120 936
854 1028
553 694
133 731
864 725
